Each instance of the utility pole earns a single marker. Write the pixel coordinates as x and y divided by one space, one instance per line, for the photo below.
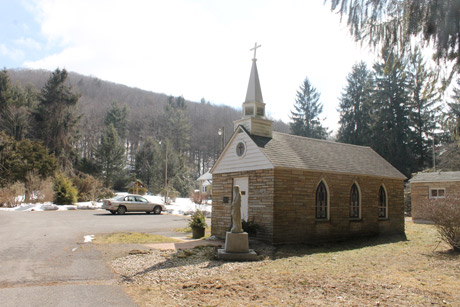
434 156
221 132
166 171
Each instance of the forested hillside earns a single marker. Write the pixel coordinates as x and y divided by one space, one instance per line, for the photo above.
141 119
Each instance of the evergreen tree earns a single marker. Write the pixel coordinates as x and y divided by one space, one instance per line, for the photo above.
110 155
17 158
178 126
395 23
390 112
148 164
354 108
118 116
15 103
423 116
452 118
305 121
57 117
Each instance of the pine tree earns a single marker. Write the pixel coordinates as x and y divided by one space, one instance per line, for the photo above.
396 23
423 117
355 106
452 118
118 116
57 117
390 112
178 125
148 164
15 103
305 121
110 155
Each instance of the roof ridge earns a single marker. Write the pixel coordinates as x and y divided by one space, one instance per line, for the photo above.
321 140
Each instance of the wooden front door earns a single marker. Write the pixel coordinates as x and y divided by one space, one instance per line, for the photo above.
244 188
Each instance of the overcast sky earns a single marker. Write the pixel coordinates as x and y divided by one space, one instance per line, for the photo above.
193 48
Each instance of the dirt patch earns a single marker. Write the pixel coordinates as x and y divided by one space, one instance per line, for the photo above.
380 271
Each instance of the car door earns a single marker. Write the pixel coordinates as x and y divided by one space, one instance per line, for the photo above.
142 204
130 203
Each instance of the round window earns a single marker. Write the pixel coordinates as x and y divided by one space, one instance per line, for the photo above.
240 149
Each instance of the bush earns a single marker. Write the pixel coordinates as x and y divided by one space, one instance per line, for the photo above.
172 193
445 213
64 192
198 220
90 188
137 190
250 227
10 195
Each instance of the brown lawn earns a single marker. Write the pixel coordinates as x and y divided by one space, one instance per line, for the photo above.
388 271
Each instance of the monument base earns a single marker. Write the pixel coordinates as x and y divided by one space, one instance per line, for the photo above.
237 248
250 255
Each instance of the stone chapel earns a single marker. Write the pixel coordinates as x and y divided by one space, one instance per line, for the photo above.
300 189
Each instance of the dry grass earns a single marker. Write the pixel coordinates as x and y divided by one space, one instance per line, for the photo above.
132 238
381 271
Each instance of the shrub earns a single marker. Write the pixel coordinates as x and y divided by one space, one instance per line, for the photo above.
198 220
445 213
10 195
172 193
64 192
250 227
407 201
137 190
90 188
197 197
45 193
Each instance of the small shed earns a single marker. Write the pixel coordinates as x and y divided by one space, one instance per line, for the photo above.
432 185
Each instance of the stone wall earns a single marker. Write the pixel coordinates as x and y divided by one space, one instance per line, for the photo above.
282 201
260 201
420 195
295 207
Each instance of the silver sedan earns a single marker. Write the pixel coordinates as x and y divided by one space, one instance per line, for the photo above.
131 203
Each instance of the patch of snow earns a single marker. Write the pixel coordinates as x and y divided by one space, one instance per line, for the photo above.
88 238
181 206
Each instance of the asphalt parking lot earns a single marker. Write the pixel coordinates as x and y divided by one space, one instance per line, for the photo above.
45 261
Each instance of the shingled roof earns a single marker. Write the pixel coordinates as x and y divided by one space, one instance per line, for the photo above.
290 151
436 177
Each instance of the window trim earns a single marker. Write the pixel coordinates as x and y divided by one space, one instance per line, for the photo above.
322 182
385 193
437 189
355 184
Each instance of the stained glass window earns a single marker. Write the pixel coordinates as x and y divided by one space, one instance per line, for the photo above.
354 202
321 202
383 212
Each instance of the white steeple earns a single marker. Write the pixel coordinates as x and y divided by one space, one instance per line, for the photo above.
253 108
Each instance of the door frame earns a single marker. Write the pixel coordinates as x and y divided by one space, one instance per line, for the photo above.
245 195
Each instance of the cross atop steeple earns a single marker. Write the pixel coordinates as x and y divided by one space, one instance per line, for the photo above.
255 50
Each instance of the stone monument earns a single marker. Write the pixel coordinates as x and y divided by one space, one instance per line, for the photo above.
236 240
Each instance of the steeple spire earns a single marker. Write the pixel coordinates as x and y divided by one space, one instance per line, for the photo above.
254 119
254 93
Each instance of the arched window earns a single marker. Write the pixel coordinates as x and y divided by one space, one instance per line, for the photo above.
321 201
355 210
383 207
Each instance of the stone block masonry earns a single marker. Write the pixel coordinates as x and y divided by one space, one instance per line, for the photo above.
282 202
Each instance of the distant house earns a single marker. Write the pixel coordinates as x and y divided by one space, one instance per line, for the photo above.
432 185
301 189
205 181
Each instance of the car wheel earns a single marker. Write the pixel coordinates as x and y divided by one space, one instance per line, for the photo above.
113 211
148 212
121 210
157 210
